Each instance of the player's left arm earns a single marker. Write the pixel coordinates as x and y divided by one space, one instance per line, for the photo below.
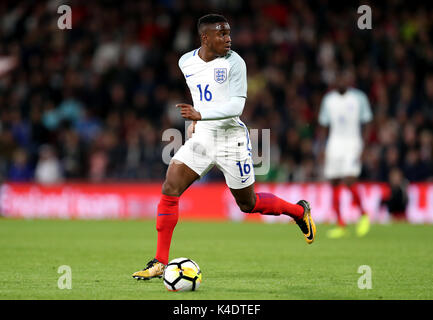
366 115
230 109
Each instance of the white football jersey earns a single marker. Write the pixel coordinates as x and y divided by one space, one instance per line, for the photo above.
213 83
344 114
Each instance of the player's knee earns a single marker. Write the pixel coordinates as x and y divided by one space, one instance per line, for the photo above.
171 189
246 206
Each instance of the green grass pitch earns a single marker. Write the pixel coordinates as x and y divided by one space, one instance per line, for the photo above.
239 260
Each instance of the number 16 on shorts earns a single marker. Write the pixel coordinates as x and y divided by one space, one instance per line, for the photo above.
244 170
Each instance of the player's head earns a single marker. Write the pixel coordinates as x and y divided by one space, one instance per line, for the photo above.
214 31
344 79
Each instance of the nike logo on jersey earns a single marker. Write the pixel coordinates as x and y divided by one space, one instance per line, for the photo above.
188 75
243 180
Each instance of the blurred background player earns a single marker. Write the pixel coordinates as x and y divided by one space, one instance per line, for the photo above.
396 199
344 110
217 79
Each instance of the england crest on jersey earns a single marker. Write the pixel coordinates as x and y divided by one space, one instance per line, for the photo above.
220 75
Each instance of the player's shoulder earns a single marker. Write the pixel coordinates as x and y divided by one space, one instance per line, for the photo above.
186 56
357 92
329 94
234 58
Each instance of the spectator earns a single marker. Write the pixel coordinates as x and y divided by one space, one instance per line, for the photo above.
48 170
98 166
120 62
414 168
396 200
20 169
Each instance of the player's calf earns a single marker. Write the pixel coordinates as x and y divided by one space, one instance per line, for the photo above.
269 204
246 206
245 198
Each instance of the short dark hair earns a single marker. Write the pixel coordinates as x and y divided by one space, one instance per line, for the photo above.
210 19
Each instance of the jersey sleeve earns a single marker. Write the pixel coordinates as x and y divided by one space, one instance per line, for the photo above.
181 61
365 112
238 77
185 57
324 118
231 109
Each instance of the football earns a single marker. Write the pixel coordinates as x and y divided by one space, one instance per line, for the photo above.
182 274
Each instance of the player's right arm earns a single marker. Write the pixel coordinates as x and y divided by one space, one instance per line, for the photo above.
187 111
324 117
191 129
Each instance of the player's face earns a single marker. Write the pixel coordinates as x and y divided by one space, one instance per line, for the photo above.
218 38
343 80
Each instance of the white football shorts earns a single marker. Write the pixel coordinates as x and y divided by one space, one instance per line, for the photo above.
342 159
230 152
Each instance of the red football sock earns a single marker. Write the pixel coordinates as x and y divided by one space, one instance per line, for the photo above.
166 220
269 204
356 199
336 205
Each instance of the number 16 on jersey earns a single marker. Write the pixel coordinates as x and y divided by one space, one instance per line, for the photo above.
207 93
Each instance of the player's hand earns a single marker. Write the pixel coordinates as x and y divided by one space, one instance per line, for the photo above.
188 112
191 129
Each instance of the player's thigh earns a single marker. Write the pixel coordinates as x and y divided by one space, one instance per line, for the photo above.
332 171
341 163
351 168
178 178
238 172
350 180
189 163
245 198
333 167
238 169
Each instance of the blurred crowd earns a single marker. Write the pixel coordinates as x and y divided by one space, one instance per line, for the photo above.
91 102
